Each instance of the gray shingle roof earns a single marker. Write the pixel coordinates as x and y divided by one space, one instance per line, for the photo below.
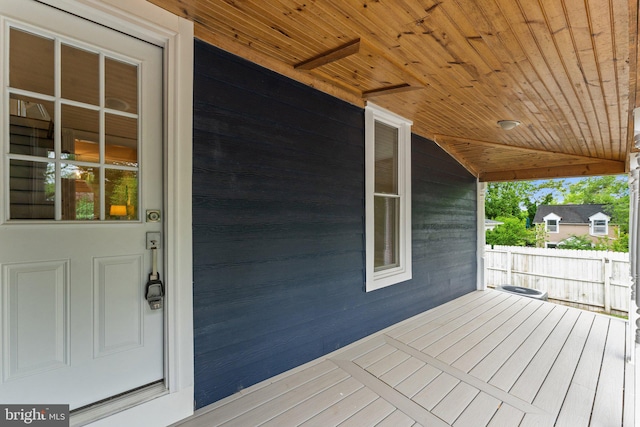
570 214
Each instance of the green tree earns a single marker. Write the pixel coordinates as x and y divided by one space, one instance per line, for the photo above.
621 244
507 199
519 199
611 191
512 232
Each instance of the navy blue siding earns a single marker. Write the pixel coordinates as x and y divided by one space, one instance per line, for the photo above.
278 223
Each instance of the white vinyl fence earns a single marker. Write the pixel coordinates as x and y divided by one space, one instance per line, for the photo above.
595 280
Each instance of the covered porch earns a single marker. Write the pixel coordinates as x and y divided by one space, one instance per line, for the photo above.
485 359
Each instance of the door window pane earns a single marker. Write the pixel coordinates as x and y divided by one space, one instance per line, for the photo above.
31 126
386 232
80 191
386 170
31 190
80 134
121 140
121 86
73 156
121 196
80 80
31 62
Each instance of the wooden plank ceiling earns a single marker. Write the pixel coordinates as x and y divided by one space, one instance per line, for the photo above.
565 69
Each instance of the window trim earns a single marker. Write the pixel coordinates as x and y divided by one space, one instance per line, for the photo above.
387 277
552 217
599 217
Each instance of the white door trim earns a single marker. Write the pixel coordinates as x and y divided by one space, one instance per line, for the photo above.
175 35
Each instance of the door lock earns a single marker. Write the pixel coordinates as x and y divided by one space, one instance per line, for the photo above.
154 292
153 240
153 215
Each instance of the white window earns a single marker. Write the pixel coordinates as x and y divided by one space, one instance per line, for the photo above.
552 223
599 224
388 198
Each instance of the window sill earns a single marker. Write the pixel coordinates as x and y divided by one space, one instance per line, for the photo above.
389 277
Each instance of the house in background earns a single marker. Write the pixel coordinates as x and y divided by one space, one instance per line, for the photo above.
490 224
561 222
305 175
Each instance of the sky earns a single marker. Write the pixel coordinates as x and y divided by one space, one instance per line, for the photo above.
568 181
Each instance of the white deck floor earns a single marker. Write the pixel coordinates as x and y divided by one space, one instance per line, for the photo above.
485 359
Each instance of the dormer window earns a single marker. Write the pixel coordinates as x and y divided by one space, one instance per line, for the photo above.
552 223
599 224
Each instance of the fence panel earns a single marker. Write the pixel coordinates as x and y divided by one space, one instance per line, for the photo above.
597 280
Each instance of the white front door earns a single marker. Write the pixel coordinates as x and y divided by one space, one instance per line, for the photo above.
81 169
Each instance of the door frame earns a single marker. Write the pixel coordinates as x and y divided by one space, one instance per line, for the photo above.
175 35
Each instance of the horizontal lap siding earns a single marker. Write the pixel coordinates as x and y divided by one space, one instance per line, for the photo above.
278 222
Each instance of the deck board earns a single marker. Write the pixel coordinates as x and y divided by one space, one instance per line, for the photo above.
485 359
343 409
609 399
426 317
397 419
496 328
531 379
553 390
493 350
413 384
403 371
479 412
313 406
506 416
388 363
523 340
288 400
461 334
370 415
451 326
434 325
264 394
374 356
436 390
456 402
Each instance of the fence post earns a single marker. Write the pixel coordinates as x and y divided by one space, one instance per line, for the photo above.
607 284
509 267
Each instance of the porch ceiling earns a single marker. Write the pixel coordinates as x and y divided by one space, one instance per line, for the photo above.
566 69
